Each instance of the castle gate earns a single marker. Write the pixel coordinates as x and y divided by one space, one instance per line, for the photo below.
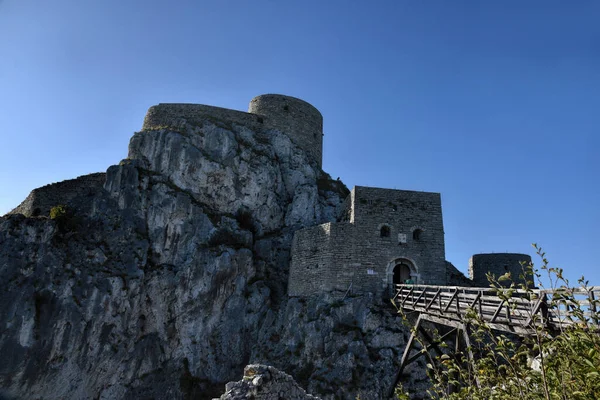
401 274
398 271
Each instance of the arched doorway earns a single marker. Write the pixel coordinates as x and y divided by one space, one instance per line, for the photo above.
401 273
398 270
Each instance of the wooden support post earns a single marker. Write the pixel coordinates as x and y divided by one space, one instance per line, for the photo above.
405 356
453 388
467 340
430 340
408 347
593 308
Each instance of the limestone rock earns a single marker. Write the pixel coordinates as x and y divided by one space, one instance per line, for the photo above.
263 382
168 280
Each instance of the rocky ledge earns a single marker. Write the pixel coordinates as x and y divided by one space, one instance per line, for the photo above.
168 279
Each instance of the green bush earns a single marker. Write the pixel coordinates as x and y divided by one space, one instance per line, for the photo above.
65 218
549 364
58 212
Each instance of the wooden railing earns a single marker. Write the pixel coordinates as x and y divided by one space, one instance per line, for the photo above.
519 311
512 310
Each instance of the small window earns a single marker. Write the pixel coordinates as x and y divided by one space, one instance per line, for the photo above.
286 108
384 231
417 233
259 119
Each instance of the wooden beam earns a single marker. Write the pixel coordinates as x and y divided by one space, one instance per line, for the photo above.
469 350
408 347
450 301
497 311
434 297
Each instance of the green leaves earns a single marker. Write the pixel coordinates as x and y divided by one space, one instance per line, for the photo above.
560 362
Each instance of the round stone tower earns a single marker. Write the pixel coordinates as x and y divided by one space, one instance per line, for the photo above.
498 264
295 117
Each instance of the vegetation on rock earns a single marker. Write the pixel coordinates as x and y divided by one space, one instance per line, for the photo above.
553 363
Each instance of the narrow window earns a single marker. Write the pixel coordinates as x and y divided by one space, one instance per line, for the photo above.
259 119
286 108
417 233
384 231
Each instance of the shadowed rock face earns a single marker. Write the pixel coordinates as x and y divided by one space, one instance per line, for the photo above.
171 278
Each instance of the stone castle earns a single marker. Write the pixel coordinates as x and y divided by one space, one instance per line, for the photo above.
381 237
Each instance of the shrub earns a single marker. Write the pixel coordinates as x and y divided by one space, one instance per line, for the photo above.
65 218
58 212
551 363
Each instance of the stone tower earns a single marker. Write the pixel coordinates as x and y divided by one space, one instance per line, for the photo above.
300 120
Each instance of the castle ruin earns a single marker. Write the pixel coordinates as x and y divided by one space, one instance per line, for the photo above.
382 237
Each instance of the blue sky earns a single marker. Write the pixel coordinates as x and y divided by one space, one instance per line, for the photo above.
493 104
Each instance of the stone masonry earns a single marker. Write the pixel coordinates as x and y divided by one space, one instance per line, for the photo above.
497 264
41 200
381 229
382 236
301 121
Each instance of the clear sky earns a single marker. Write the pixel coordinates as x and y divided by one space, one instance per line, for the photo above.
494 104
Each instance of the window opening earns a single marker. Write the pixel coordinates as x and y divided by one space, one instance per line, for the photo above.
417 233
384 231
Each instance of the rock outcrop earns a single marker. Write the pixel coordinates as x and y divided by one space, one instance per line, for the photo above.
169 279
262 382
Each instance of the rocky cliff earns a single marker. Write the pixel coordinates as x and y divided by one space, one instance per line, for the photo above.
169 279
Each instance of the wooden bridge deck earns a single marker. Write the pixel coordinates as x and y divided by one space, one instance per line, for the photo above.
510 310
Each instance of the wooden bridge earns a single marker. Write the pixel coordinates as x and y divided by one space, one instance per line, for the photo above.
521 312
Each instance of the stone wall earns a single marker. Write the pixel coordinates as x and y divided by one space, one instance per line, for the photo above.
416 232
177 115
354 255
324 260
41 200
497 264
456 278
298 119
